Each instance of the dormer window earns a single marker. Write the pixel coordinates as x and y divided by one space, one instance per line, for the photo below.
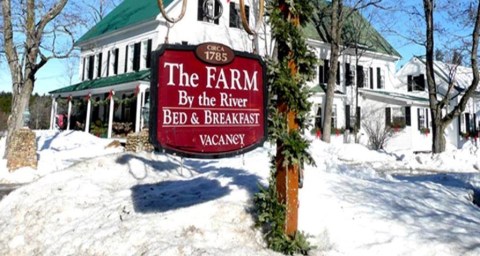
209 11
236 16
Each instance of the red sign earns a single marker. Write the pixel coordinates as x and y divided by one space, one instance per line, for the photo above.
207 101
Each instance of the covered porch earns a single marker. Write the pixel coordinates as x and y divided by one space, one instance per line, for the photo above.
109 107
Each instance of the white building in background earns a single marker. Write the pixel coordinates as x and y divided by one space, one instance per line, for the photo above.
115 71
413 79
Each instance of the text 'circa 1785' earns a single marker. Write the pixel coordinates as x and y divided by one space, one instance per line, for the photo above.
209 109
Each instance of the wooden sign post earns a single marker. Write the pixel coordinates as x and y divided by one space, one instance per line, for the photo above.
287 177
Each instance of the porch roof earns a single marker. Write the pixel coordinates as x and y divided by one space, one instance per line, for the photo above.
399 97
86 87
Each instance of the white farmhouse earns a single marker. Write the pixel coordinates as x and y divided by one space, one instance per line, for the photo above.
116 58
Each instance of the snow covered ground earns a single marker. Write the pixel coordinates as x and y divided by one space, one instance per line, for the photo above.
86 199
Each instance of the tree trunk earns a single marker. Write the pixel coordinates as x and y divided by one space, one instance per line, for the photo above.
332 74
19 105
438 131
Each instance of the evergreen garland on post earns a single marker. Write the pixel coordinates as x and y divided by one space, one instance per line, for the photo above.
288 93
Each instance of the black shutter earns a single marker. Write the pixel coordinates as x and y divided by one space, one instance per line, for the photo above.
359 117
475 123
200 10
83 69
108 63
115 63
136 56
327 70
348 78
409 83
126 59
408 116
467 122
91 64
388 116
371 77
217 11
149 53
234 16
99 70
418 118
379 78
360 76
338 73
347 116
321 72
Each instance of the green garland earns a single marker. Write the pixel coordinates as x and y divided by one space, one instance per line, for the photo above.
95 103
289 90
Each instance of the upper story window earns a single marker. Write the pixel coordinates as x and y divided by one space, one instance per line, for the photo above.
137 56
380 79
236 16
323 70
416 83
112 60
90 67
209 11
349 74
361 77
146 53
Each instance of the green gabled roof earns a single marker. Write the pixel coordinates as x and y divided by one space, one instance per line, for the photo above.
143 75
368 37
128 13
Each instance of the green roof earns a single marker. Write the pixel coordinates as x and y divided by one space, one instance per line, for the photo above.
128 13
143 75
356 31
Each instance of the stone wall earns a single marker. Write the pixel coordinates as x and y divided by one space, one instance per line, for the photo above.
137 142
23 151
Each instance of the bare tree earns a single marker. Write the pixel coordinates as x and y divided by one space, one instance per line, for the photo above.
377 132
34 32
439 103
336 14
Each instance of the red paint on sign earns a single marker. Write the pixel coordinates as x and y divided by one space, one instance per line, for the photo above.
208 110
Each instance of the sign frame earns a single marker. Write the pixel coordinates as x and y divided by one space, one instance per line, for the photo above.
154 102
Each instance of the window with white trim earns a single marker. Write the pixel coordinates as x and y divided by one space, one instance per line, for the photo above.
209 11
236 16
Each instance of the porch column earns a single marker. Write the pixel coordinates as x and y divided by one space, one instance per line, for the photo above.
69 112
89 107
110 115
139 110
53 113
